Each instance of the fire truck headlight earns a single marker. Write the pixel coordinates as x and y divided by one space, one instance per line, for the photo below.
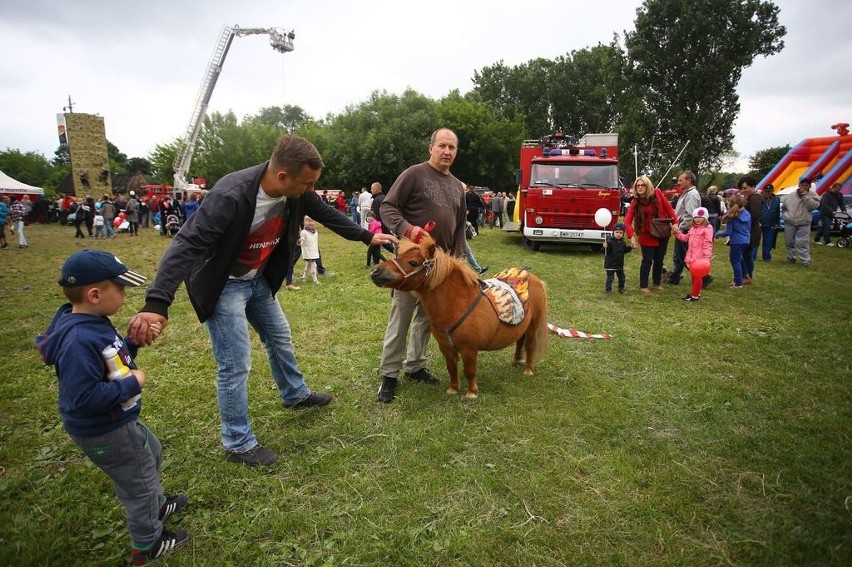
539 220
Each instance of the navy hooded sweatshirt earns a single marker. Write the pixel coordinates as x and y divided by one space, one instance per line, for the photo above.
89 402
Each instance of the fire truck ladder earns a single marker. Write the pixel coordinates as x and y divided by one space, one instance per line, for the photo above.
280 41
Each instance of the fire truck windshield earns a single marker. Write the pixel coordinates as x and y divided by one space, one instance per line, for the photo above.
581 175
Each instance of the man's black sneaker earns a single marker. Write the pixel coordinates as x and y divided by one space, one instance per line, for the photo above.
387 389
422 375
173 505
483 269
168 541
691 298
255 456
314 400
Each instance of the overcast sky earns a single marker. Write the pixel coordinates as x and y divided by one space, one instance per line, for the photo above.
140 64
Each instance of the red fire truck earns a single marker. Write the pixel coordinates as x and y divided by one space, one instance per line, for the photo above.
562 183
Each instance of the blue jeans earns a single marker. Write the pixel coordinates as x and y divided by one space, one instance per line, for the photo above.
824 231
736 255
748 261
243 303
678 258
769 238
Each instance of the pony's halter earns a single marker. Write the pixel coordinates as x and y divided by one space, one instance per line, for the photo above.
426 267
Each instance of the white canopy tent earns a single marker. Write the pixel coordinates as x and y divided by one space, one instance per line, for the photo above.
11 186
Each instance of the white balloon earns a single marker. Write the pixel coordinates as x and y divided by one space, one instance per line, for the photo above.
603 217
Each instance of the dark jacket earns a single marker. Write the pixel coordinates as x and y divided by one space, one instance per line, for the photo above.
770 212
89 402
614 252
830 202
753 204
209 243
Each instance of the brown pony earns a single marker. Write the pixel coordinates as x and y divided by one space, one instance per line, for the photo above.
463 325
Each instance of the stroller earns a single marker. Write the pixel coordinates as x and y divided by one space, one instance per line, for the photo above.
845 236
172 225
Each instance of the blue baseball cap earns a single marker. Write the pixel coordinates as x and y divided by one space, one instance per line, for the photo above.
618 226
91 266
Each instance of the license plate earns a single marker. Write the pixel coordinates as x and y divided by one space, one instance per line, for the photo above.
569 234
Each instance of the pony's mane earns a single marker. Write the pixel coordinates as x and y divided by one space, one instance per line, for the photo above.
444 263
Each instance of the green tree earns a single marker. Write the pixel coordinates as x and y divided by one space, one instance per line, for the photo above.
521 91
686 58
162 161
288 118
31 168
764 160
588 90
116 157
375 140
138 164
488 144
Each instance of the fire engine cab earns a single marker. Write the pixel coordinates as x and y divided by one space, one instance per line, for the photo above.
562 183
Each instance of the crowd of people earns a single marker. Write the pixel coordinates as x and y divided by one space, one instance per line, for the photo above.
749 218
236 248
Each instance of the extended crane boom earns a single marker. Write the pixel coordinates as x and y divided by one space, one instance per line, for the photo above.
280 40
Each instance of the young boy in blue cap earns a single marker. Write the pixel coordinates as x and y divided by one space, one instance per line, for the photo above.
99 396
615 247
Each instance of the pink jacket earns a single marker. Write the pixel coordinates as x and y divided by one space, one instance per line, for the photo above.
700 240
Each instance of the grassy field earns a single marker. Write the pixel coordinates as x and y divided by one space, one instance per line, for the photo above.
714 433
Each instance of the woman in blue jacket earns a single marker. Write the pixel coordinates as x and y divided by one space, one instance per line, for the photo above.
4 216
738 229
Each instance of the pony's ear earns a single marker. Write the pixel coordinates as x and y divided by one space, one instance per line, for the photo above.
429 249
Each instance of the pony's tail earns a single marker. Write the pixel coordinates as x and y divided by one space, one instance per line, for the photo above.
541 331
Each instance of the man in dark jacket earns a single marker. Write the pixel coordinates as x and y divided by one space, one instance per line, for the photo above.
830 202
233 255
754 201
770 220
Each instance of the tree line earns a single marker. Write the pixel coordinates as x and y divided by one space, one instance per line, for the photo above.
671 79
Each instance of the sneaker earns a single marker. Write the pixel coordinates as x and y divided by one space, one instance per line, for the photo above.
830 244
292 287
422 375
735 286
645 290
314 400
746 281
327 274
608 291
387 390
817 243
173 505
659 287
692 297
622 290
483 269
255 456
168 541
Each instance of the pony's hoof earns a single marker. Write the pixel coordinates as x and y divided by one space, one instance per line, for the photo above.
528 372
452 391
471 396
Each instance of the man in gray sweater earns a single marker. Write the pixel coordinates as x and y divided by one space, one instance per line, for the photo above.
797 222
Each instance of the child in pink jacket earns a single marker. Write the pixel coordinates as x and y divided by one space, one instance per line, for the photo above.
700 241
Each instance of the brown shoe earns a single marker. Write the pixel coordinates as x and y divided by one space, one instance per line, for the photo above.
746 281
645 290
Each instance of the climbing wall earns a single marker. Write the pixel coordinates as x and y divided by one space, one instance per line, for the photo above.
87 146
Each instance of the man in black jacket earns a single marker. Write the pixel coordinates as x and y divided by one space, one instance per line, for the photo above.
233 255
